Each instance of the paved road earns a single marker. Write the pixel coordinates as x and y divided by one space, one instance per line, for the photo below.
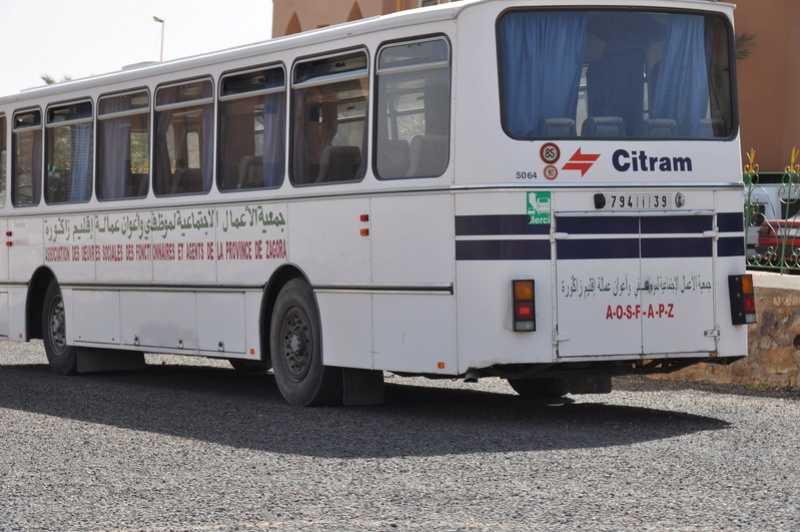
202 448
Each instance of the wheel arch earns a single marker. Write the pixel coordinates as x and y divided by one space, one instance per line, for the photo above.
277 281
34 305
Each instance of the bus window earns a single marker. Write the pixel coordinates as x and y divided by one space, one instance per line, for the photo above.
252 130
123 145
182 149
3 152
615 74
68 153
413 110
329 114
26 175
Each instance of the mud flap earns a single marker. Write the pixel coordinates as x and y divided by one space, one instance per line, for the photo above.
92 360
362 387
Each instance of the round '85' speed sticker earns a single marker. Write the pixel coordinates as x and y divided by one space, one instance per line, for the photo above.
550 153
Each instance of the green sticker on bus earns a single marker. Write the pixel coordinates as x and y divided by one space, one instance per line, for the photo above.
539 208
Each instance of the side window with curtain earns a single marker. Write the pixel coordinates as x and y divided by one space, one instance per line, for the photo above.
68 153
26 155
3 160
252 130
123 145
329 118
413 110
183 142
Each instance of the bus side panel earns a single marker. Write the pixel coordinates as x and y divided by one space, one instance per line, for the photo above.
326 243
17 304
416 333
25 252
412 240
221 322
95 314
413 251
346 329
4 323
159 319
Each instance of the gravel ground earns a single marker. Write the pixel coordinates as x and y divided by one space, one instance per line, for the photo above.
191 445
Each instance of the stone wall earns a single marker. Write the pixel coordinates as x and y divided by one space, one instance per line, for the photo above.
773 342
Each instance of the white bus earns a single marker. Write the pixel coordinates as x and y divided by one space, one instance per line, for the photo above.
541 191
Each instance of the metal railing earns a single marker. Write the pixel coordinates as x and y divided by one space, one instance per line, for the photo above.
772 216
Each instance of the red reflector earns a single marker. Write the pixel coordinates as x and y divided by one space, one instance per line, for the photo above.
365 217
524 311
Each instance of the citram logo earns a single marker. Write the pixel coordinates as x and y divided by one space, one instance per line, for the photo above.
581 161
641 162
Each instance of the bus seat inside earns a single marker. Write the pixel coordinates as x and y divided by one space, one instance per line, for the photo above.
428 155
339 163
557 127
394 158
659 127
603 126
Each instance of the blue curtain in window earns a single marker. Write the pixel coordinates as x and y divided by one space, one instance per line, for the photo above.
681 87
616 87
541 60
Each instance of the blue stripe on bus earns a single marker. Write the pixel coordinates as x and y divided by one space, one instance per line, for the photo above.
498 224
623 248
676 224
502 250
732 246
598 225
730 222
662 248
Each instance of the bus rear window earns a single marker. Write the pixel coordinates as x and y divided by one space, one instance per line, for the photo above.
614 74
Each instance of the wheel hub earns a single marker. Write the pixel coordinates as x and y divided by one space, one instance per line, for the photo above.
297 344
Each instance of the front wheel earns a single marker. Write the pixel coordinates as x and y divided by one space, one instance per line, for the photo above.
63 358
296 349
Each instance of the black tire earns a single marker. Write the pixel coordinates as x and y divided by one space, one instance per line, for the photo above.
296 350
249 366
549 388
63 358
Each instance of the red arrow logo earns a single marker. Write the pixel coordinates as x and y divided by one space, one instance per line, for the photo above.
580 161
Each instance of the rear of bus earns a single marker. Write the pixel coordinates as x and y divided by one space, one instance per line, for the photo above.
598 203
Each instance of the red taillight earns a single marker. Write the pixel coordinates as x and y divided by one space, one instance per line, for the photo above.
524 309
743 299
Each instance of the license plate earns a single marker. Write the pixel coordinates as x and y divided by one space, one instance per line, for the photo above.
638 201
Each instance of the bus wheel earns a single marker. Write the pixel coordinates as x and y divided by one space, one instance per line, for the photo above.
541 388
296 350
63 358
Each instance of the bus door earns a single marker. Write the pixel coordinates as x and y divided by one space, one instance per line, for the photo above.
634 284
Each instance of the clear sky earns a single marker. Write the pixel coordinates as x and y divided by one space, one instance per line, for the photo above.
80 38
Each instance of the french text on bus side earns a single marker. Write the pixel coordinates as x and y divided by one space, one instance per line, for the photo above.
635 312
237 250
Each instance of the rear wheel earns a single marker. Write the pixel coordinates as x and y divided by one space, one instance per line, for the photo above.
63 358
548 388
296 349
